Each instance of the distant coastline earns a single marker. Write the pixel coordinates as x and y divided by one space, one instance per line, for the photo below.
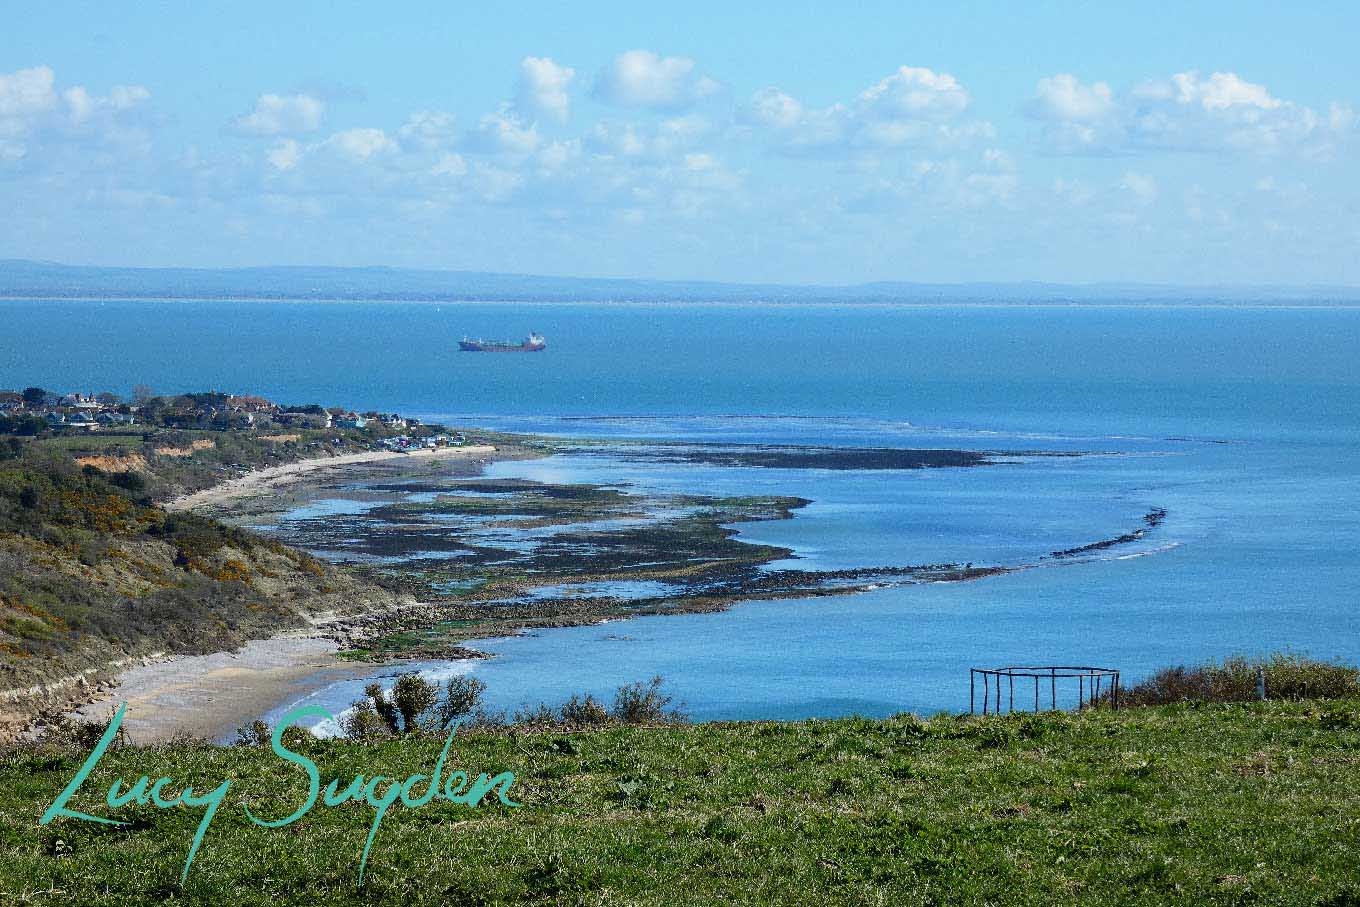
980 304
22 279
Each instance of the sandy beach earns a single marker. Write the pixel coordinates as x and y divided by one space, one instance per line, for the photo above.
261 480
212 695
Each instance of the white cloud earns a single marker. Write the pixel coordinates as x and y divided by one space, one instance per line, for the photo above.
543 88
361 144
449 164
25 92
1185 112
914 93
285 155
281 115
641 78
658 142
427 130
35 116
773 108
1063 97
1220 91
503 132
912 106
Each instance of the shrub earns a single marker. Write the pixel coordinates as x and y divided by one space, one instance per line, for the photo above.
644 703
414 704
256 733
362 722
1288 676
462 696
129 481
535 716
586 711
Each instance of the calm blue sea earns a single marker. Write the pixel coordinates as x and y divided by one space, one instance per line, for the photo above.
1244 424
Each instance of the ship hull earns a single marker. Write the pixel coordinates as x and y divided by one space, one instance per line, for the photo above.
480 346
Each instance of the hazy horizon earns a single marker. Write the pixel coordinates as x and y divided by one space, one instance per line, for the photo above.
65 280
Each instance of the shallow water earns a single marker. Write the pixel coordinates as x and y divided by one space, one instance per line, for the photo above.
1244 425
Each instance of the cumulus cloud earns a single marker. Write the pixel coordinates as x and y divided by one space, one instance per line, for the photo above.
916 93
1063 97
641 78
775 109
361 144
274 114
667 139
503 131
426 130
1185 112
912 106
25 92
543 86
285 155
34 116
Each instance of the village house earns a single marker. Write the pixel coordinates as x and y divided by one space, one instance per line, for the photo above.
79 401
113 417
247 403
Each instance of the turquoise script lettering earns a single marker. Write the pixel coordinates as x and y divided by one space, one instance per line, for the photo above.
380 792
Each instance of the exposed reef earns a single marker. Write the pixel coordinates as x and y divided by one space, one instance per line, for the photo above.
490 556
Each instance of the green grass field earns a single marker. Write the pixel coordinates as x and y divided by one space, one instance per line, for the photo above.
1185 804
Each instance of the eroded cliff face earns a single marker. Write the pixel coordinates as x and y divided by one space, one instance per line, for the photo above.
94 577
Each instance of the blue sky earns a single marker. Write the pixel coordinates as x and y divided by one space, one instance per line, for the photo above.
787 142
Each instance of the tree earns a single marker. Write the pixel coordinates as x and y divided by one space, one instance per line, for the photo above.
413 697
462 694
33 396
386 711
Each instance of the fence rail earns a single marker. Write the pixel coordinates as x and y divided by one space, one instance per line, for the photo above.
1094 686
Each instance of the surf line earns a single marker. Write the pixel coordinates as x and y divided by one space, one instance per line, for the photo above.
457 787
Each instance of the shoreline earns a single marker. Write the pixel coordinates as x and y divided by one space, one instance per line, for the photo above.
274 476
210 696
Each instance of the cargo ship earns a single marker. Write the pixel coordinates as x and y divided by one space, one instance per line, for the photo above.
534 343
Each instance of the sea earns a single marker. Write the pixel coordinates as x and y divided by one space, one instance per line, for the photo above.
1241 421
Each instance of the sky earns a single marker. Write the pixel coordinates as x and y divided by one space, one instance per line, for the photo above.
1199 143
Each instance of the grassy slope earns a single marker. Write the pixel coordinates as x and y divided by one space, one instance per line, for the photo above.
91 572
1227 804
